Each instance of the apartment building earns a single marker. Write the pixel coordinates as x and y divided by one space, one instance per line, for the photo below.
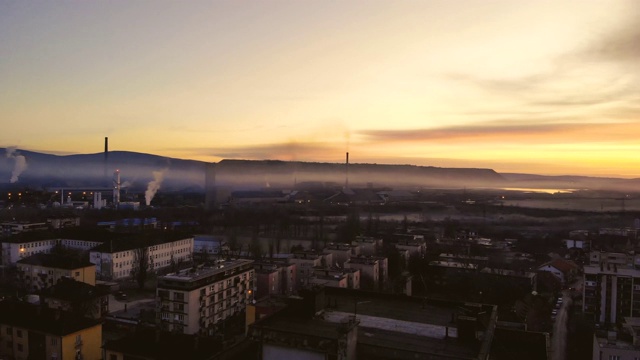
368 245
336 276
198 301
35 332
369 271
342 252
611 289
338 280
115 259
63 222
417 247
14 228
208 248
71 295
40 271
618 345
15 249
306 261
274 278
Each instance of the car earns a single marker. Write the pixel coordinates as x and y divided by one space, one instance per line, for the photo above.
120 295
554 312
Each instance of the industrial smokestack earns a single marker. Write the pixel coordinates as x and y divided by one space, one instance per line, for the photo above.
106 158
346 180
116 188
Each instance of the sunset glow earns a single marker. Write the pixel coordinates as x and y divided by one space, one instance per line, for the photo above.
547 87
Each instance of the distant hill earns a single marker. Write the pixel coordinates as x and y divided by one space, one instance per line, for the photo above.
137 170
286 173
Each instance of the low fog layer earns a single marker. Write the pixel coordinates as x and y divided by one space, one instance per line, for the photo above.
145 172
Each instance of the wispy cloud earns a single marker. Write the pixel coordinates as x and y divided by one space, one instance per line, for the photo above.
621 43
292 150
515 132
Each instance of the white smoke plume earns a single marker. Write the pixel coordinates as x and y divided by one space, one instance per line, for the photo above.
154 185
20 163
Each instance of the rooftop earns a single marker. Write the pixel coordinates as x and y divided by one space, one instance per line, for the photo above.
71 290
124 242
55 261
613 270
366 260
164 345
39 318
507 272
189 275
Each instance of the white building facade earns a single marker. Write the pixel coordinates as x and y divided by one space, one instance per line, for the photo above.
117 262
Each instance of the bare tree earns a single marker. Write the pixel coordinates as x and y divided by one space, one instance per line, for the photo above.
140 265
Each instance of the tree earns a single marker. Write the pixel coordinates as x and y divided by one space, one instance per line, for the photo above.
140 265
255 248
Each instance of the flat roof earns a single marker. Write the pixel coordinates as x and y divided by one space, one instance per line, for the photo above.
201 273
55 261
447 348
621 270
370 260
310 327
393 307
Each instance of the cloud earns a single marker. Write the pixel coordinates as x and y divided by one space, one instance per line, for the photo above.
292 150
514 132
619 44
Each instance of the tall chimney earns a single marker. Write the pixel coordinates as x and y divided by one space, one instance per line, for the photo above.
106 157
116 188
346 180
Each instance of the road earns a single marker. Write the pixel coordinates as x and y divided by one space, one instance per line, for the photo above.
559 337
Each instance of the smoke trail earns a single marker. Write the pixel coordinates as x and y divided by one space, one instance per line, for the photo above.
20 163
154 185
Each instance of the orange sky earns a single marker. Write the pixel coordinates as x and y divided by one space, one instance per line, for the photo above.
548 87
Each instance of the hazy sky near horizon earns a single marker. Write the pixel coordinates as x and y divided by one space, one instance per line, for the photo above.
548 87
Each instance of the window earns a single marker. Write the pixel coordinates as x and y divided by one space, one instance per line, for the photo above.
9 331
614 357
77 273
54 341
19 347
19 333
113 357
